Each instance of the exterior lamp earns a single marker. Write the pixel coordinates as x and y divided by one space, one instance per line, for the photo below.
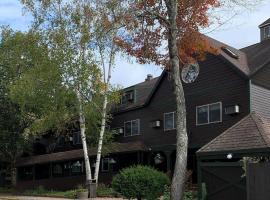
229 156
158 159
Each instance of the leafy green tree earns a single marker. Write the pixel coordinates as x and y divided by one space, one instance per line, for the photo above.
75 88
12 122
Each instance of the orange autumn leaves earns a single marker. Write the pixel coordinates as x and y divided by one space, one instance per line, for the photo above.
147 28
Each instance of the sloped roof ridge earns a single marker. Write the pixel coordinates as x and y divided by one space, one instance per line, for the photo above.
259 121
266 22
240 64
224 133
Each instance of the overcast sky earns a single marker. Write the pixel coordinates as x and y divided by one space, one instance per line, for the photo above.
241 31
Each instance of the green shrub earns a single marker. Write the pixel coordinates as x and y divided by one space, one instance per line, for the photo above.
105 191
188 195
140 182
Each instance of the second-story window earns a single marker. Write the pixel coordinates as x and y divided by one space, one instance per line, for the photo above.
132 128
77 138
210 113
169 121
128 97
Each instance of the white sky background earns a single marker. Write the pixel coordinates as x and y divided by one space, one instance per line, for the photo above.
239 32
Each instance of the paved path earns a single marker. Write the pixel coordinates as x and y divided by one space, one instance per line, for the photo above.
10 197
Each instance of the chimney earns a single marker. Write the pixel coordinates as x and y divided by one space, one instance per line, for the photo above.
149 77
265 30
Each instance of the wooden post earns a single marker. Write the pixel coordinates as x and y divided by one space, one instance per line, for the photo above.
168 160
199 178
247 180
138 158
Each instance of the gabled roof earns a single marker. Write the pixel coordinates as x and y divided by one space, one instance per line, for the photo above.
240 63
249 60
250 133
143 91
267 22
258 55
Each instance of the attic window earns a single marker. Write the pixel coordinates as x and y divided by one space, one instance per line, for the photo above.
267 32
127 97
230 52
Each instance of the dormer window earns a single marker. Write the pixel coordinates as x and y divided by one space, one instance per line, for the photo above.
127 97
267 32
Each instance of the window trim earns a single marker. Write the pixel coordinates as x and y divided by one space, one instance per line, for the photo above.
164 127
102 164
208 113
266 36
139 128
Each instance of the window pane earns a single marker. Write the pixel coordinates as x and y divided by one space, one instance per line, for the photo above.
77 138
169 121
135 127
127 128
202 115
214 112
267 32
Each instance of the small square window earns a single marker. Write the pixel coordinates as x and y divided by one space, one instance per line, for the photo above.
169 121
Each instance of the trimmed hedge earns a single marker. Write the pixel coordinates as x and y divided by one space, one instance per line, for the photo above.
140 182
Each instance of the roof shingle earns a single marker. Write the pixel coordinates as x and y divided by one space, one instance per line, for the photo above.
78 153
252 132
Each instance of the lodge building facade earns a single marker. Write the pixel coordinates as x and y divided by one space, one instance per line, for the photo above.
229 86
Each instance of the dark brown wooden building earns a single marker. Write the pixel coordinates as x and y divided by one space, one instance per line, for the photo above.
229 86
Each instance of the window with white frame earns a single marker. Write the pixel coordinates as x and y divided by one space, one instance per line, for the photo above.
132 128
210 113
105 165
169 121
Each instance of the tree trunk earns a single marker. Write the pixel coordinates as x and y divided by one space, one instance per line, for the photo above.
104 114
101 135
177 186
83 138
13 174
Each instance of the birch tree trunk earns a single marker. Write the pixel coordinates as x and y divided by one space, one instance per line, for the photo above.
83 138
178 180
104 113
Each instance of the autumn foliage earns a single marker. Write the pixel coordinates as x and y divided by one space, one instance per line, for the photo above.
146 27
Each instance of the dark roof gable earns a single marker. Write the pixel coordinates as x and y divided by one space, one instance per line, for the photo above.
267 22
252 132
258 55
